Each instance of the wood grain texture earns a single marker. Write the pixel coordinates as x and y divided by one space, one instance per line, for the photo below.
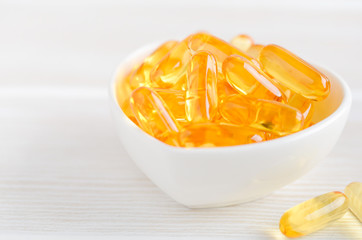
63 172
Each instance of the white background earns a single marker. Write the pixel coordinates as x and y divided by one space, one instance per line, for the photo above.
62 169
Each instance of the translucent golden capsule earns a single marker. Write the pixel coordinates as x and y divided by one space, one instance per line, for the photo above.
175 100
201 92
126 108
294 73
242 42
123 93
153 115
141 76
218 134
354 194
170 72
249 80
266 115
254 50
314 214
240 91
219 48
224 89
304 105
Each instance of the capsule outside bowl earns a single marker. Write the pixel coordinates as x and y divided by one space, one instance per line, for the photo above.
222 176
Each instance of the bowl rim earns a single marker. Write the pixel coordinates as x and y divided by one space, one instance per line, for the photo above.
344 106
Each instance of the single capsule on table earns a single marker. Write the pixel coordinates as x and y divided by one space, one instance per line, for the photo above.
249 80
219 48
304 105
175 100
141 76
294 73
218 134
170 72
242 42
265 115
201 91
313 215
354 194
153 115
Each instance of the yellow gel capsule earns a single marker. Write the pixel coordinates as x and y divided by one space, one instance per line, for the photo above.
219 48
153 115
242 42
123 93
294 73
126 107
171 70
123 89
238 109
175 100
354 194
141 76
266 115
249 80
254 50
304 105
224 89
313 215
218 134
201 92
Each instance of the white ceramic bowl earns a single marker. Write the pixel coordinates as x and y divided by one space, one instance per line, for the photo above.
222 176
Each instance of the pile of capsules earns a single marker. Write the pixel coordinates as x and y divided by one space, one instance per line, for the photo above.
205 92
318 212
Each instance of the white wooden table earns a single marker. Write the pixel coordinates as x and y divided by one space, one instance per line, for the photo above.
63 172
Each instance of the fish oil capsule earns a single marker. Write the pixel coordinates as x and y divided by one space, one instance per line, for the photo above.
266 115
124 90
123 93
354 194
314 214
219 48
254 50
175 100
249 80
141 76
218 134
304 105
153 115
238 109
201 92
170 72
126 108
224 89
294 73
242 42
